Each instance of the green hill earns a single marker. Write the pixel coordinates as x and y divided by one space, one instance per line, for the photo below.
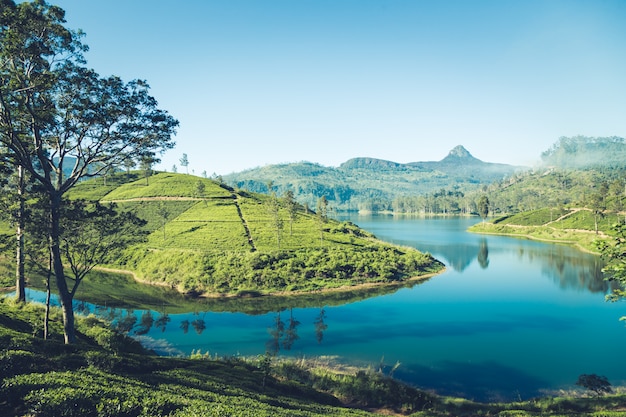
204 237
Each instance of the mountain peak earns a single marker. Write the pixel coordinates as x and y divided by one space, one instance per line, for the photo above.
460 152
460 155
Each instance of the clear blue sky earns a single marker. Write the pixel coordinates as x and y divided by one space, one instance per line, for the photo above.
255 82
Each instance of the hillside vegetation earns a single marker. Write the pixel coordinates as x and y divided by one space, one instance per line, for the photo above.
204 237
371 184
578 226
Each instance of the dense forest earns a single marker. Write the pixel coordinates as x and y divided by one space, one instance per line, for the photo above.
369 184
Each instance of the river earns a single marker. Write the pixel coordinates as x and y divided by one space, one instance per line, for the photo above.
509 319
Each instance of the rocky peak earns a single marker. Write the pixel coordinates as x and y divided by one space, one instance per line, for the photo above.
460 152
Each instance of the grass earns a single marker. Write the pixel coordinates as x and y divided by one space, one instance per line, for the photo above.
167 185
568 226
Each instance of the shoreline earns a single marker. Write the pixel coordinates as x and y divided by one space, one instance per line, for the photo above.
261 294
574 243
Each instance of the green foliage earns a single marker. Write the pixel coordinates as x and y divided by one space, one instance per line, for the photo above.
370 184
596 383
614 253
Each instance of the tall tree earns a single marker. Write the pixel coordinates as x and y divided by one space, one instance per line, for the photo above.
184 162
292 208
322 215
273 209
63 122
483 207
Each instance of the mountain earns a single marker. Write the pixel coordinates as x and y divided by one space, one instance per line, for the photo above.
370 183
582 152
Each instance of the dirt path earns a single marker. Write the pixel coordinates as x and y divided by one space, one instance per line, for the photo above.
244 222
572 211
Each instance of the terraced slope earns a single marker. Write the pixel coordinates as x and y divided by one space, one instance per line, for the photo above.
204 237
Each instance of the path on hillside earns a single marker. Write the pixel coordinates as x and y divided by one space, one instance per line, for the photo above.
572 211
244 222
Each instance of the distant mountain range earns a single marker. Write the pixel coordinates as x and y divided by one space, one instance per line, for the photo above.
370 183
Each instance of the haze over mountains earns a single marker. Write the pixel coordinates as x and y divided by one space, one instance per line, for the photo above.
362 183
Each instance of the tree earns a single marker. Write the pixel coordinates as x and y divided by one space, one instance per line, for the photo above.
321 214
62 122
200 189
483 207
596 383
273 208
184 162
598 203
292 209
614 253
145 164
164 214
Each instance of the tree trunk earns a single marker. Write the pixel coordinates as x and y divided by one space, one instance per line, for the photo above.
65 295
46 319
20 282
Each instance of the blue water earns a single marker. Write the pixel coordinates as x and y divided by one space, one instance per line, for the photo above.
509 319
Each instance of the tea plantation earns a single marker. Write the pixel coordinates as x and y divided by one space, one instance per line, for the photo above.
204 237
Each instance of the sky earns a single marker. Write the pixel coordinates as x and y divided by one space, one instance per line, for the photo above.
258 82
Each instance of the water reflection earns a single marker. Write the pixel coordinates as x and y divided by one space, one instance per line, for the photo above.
145 323
199 325
483 254
320 326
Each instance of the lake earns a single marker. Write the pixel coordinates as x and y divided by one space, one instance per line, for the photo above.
509 319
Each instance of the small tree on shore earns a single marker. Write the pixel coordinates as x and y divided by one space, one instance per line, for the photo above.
598 384
483 207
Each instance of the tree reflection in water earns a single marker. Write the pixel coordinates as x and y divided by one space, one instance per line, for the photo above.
291 333
320 326
184 325
145 324
161 322
483 254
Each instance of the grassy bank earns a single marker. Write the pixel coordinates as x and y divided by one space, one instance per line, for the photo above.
567 226
107 374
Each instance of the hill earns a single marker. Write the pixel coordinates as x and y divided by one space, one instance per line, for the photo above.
370 183
204 237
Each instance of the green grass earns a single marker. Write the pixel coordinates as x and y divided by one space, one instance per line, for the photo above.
97 188
533 218
167 185
576 227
